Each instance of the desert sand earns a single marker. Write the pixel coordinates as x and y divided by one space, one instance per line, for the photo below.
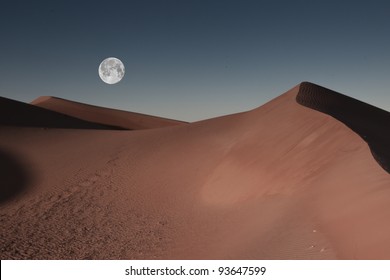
283 181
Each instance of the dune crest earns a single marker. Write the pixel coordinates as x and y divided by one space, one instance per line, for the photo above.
101 115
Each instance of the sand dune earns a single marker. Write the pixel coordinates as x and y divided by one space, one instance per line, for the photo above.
282 181
105 116
15 113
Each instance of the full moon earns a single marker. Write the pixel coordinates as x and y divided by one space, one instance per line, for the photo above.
111 70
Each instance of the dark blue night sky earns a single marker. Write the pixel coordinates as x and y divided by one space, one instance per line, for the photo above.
194 59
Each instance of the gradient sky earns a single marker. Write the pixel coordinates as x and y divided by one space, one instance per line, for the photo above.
194 59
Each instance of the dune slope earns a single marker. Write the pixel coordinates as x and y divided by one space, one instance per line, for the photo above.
282 181
101 115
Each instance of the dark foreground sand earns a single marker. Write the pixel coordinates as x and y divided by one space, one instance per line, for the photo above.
282 181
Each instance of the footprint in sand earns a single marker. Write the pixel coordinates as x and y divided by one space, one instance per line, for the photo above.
85 183
103 173
90 181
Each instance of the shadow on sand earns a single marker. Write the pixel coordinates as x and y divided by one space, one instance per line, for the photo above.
14 176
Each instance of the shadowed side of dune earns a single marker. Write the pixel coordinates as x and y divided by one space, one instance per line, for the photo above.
102 115
369 122
15 113
14 177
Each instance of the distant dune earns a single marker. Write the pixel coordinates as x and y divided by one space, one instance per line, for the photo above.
15 113
282 181
105 116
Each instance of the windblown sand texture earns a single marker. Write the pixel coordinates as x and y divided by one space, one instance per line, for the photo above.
282 181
